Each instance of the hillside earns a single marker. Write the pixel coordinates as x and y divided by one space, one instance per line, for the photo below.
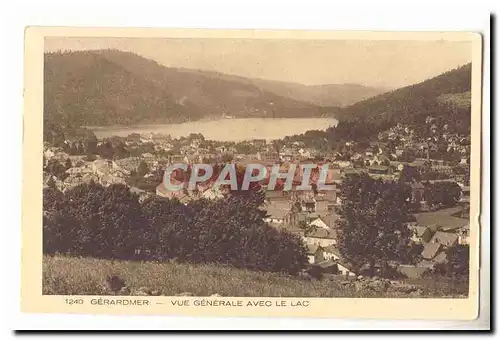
337 95
445 97
326 95
109 87
87 276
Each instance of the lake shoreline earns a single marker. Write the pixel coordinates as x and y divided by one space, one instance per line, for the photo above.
225 129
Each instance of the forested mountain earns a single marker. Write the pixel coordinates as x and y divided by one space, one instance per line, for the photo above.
109 87
445 97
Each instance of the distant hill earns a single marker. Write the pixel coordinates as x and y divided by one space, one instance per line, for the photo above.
445 97
338 95
110 87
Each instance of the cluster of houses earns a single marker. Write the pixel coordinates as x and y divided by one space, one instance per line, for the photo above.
309 214
312 216
82 170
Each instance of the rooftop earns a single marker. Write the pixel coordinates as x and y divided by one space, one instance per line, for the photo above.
446 239
430 250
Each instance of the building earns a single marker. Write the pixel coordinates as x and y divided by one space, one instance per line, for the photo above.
321 237
269 157
464 235
331 253
420 234
445 239
101 167
127 165
278 212
431 250
314 253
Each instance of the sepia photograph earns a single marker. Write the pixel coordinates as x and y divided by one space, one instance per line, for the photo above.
212 167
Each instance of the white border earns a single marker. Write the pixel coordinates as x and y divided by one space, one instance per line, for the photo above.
354 15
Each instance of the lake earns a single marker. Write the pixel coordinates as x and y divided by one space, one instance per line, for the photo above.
226 129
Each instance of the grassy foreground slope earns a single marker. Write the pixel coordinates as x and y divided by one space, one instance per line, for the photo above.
85 276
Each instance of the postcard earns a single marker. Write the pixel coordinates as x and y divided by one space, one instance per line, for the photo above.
269 173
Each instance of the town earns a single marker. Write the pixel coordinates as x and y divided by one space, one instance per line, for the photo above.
425 164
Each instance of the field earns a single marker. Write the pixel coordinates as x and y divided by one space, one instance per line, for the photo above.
85 276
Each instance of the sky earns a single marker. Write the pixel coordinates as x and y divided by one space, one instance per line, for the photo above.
387 64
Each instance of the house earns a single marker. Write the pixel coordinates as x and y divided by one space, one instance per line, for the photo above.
320 223
331 253
350 171
276 195
442 169
278 212
314 253
79 170
72 181
345 268
421 234
108 179
148 157
326 221
126 165
464 235
328 266
445 239
414 272
419 162
321 237
431 250
182 195
309 205
133 137
101 167
174 159
269 157
380 170
444 219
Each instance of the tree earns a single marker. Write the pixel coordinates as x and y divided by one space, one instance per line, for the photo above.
458 260
408 155
142 169
229 230
444 194
109 222
372 228
457 264
409 174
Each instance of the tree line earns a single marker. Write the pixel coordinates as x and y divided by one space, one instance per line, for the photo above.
111 222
